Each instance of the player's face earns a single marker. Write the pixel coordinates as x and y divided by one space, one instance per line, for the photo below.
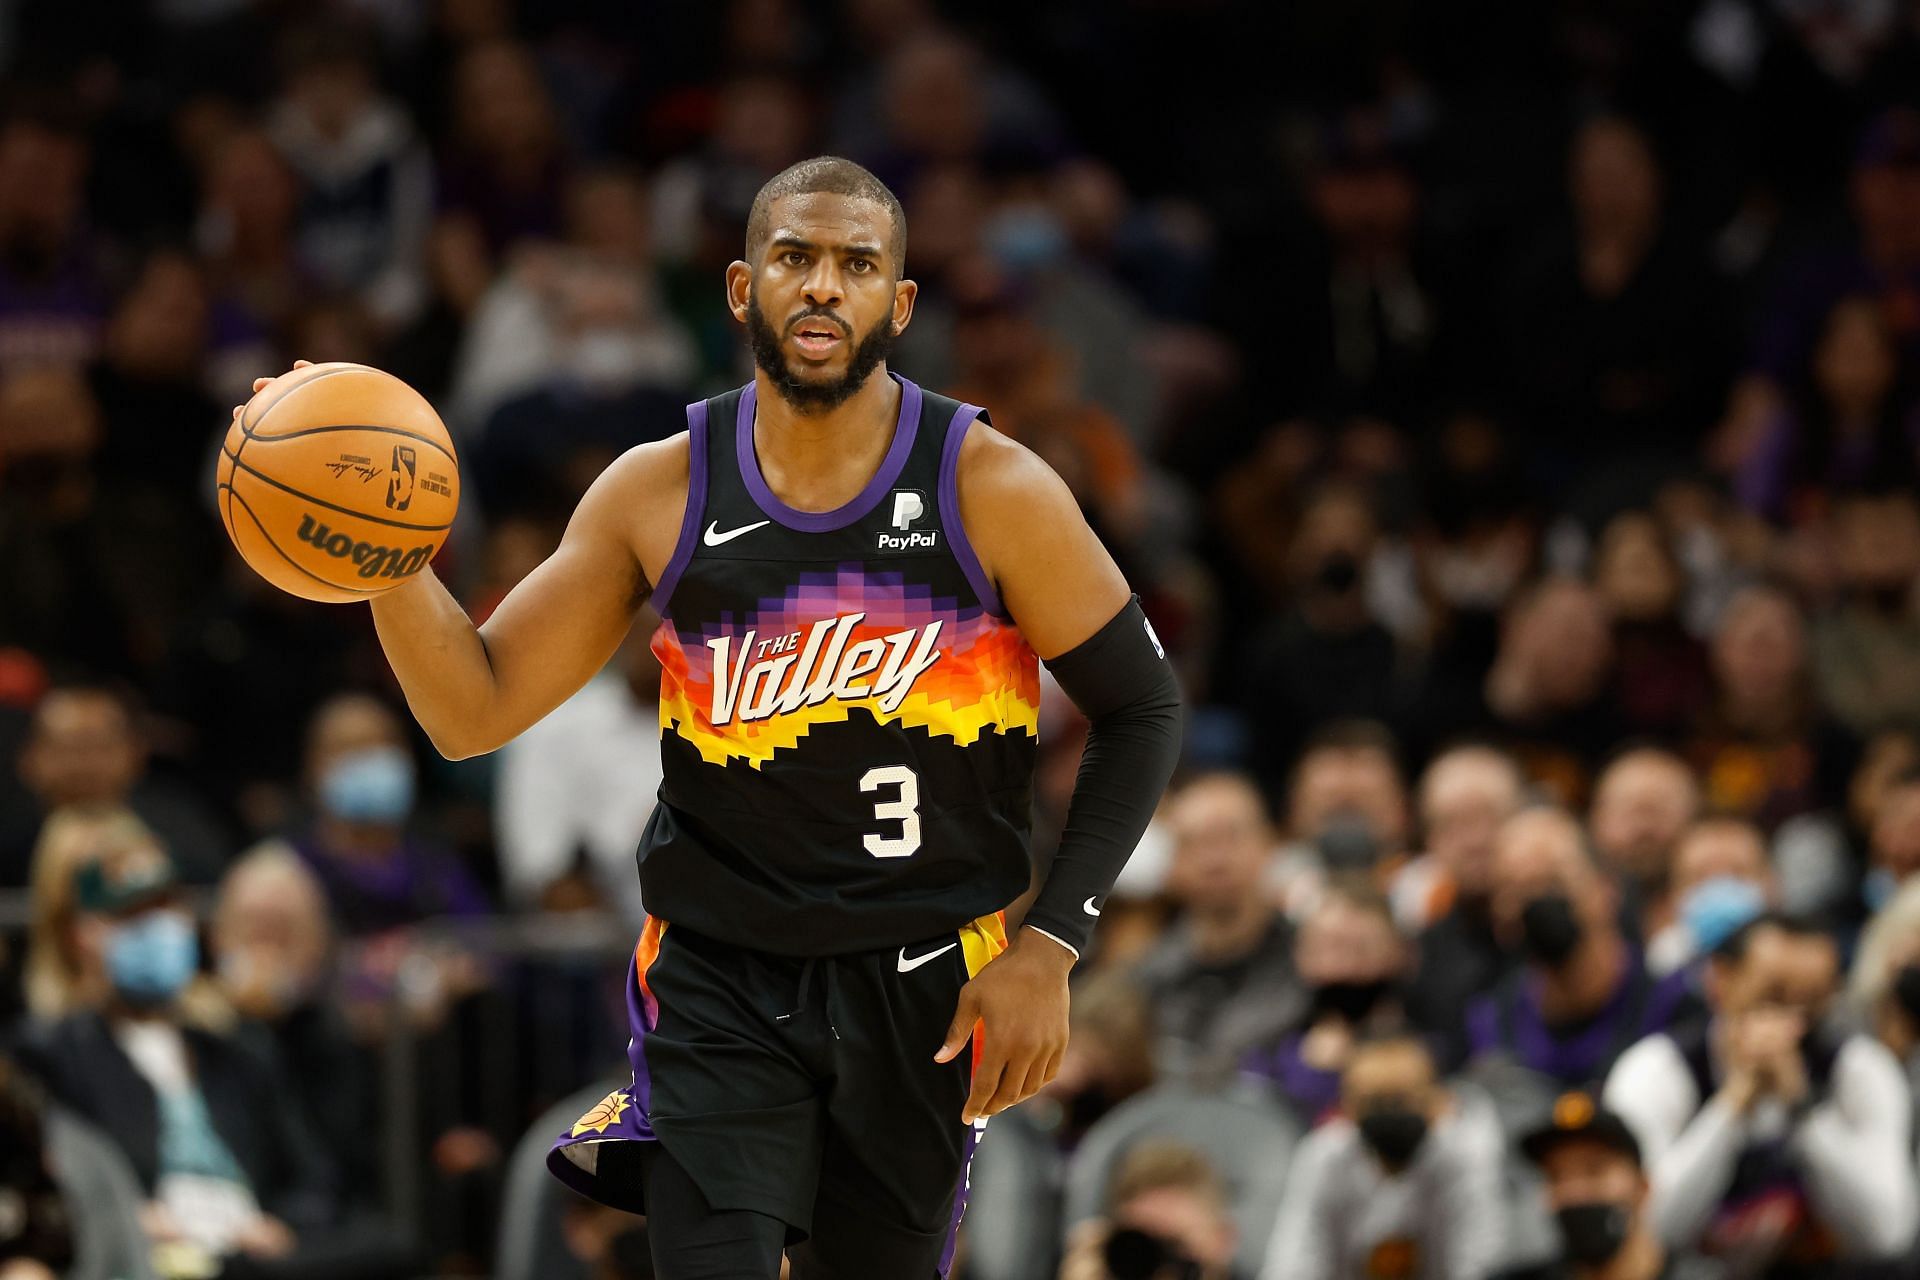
823 304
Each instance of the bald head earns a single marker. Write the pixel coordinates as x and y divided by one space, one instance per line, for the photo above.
1465 795
1642 805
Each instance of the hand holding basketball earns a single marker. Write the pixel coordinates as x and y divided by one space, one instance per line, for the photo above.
336 482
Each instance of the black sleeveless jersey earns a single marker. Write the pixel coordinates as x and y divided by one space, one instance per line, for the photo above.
847 715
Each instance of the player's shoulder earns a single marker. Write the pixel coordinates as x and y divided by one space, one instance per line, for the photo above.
650 472
997 475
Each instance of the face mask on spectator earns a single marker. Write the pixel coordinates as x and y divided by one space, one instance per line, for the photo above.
1351 1001
1346 843
1593 1232
1906 989
1395 1134
151 957
1135 1255
1549 931
1713 909
1026 237
1878 888
369 786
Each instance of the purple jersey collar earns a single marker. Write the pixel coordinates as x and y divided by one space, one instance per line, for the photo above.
862 502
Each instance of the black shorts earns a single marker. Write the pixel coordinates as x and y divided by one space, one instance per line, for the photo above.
804 1089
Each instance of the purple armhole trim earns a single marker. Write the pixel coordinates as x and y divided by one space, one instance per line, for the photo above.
696 507
957 540
904 430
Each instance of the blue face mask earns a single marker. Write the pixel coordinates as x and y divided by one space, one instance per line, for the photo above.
1713 909
1026 237
1879 888
369 786
151 957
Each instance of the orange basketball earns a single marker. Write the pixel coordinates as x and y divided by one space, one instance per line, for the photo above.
338 482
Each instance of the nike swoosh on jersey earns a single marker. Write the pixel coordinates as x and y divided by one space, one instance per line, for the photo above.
714 537
1089 908
908 966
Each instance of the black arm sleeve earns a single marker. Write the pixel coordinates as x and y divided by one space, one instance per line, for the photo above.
1121 680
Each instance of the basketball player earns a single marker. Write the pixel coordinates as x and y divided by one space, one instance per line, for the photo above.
856 576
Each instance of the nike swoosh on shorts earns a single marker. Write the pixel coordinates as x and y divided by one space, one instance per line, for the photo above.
908 966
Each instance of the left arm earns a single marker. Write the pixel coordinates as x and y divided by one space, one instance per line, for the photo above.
1854 1151
1074 607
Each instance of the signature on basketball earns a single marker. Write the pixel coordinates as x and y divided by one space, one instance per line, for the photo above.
362 470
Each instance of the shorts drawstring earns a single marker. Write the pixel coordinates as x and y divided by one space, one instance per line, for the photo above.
800 997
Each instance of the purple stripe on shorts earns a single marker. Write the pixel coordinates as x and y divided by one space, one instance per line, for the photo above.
696 507
957 540
959 1201
904 430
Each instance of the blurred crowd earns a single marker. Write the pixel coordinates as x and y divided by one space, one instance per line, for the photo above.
1509 413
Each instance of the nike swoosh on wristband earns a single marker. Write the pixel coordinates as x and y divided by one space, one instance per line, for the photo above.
1089 908
908 966
714 537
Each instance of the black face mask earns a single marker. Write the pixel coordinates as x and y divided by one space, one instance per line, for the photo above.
1549 931
1906 989
1394 1133
1337 574
1135 1255
1350 1001
1593 1232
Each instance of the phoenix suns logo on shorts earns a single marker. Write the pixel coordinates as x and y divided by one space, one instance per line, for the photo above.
602 1114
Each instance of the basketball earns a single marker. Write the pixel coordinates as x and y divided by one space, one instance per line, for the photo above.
338 482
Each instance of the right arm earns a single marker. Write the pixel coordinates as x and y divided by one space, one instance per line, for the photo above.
474 688
1689 1155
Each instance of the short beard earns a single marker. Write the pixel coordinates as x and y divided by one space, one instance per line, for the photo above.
812 398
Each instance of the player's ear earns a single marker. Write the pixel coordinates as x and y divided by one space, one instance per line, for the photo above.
739 289
904 293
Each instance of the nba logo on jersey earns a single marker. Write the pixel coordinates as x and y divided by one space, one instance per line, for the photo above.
400 484
908 505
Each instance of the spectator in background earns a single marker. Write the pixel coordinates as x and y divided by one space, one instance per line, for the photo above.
86 752
1466 796
1721 879
1597 1189
1109 1057
1642 804
1765 748
1548 690
1884 988
1583 993
1866 650
39 1233
1222 980
1613 346
368 181
273 955
59 977
1166 1213
52 299
1326 655
1893 846
1850 421
1822 857
1346 811
1352 962
1772 1137
575 790
209 1127
1405 1181
504 177
377 874
245 232
1660 669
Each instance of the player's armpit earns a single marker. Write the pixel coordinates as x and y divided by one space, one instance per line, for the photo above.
1053 576
474 689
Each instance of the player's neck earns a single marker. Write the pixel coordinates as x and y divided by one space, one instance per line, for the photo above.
808 460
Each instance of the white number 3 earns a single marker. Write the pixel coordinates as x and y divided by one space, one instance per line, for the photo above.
905 811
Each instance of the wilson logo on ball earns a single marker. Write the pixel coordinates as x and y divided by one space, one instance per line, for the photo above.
400 487
372 561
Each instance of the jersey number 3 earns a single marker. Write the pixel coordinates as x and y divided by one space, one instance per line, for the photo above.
905 810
